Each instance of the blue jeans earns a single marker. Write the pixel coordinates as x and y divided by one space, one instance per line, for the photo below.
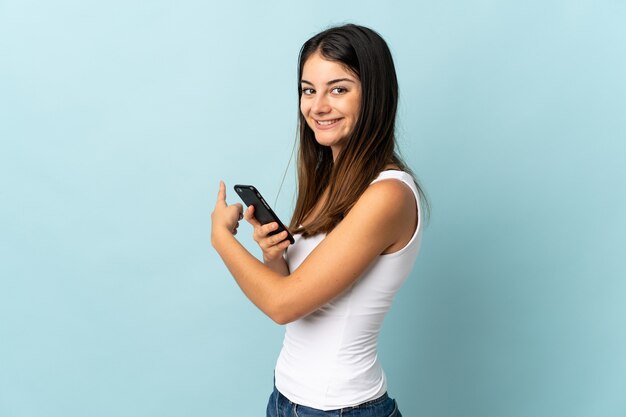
279 406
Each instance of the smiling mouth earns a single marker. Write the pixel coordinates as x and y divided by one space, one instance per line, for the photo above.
326 122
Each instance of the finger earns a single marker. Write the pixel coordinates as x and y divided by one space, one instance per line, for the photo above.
221 194
280 237
266 229
279 248
249 216
271 241
262 233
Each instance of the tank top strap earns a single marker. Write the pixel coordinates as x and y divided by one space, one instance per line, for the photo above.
408 180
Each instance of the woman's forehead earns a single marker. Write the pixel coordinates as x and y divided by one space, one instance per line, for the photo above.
319 69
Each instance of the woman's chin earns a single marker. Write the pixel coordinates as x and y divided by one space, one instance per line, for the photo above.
327 140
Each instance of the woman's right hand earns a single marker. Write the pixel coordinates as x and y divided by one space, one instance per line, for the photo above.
272 246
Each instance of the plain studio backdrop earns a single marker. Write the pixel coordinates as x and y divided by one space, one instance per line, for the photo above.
118 119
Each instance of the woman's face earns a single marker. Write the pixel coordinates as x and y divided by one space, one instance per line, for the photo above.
330 101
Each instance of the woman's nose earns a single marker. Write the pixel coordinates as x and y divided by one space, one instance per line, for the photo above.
320 104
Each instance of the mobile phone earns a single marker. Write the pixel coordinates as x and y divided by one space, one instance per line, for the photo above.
262 211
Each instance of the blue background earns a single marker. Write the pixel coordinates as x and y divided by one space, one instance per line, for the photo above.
118 119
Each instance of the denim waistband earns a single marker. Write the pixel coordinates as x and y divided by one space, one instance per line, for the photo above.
366 404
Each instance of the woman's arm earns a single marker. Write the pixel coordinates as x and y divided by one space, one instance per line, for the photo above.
273 247
376 222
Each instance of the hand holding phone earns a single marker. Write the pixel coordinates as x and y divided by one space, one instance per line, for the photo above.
262 211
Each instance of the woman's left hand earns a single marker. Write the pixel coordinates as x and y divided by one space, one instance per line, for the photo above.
225 217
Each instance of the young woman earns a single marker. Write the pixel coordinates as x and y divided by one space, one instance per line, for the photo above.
357 225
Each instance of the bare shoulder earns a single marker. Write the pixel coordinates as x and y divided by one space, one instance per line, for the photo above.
389 207
391 196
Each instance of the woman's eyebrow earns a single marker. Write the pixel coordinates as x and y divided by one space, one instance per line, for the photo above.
338 80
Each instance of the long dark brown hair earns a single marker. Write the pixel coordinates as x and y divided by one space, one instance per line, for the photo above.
370 146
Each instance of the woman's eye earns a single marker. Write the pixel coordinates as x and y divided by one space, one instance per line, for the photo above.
338 90
307 91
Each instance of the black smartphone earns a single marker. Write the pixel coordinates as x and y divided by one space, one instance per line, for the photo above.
262 211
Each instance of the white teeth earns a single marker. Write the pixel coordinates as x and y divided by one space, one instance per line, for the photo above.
326 122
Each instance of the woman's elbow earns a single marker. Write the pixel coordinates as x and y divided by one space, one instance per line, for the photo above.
286 307
282 314
280 320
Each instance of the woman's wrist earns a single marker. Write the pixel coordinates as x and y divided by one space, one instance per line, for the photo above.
219 235
278 265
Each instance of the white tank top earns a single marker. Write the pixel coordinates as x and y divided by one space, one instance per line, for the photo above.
329 358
